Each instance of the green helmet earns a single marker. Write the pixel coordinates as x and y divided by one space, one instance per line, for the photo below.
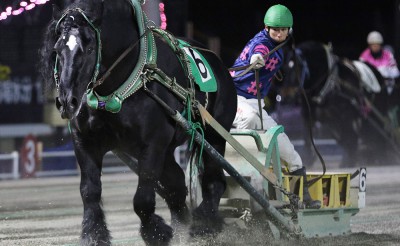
278 16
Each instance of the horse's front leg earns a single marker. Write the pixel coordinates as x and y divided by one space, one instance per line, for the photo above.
94 228
154 230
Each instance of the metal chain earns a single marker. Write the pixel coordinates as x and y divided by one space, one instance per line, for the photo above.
293 198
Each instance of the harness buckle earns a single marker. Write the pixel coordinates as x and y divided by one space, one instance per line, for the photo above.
57 81
147 73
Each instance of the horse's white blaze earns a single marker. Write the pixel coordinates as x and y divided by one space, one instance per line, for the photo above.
72 42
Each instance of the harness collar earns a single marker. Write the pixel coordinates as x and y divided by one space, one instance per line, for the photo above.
147 55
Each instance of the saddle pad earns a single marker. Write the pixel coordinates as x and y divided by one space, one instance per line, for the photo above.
200 68
369 81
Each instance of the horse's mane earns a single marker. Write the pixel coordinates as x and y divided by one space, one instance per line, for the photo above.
47 55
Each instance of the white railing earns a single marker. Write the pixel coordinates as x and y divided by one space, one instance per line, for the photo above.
14 157
70 153
16 172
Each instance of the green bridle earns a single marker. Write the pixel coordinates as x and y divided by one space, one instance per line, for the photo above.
98 58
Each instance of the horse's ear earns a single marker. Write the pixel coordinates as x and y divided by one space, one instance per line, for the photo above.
97 13
56 12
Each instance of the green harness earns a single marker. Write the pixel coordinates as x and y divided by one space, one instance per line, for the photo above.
195 66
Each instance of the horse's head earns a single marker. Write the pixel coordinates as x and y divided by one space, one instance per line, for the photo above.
78 55
288 67
309 65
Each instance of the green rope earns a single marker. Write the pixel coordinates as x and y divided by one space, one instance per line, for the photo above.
192 131
69 127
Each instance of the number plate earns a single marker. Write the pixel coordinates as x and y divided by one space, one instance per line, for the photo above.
362 187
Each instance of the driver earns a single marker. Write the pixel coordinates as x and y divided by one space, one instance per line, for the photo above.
381 58
278 20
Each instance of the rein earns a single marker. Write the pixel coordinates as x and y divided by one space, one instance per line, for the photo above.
310 127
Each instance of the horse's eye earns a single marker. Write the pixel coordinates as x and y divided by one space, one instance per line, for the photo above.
90 50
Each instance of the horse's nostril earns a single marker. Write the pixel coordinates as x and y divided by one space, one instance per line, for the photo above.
58 103
74 103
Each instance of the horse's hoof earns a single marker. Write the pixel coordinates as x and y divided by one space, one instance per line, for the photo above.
89 241
180 218
205 225
98 237
203 231
156 231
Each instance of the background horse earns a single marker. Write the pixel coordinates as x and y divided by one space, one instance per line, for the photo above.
88 37
339 98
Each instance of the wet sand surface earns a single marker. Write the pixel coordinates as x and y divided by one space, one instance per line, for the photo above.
48 211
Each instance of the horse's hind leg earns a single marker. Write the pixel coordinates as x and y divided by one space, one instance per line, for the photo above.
154 230
206 219
173 190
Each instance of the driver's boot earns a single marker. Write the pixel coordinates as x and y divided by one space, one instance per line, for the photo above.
307 200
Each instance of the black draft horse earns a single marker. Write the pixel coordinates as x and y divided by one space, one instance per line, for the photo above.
87 38
337 97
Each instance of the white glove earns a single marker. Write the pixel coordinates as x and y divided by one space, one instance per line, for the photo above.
258 60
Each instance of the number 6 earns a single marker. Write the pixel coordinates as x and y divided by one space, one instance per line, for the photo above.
363 179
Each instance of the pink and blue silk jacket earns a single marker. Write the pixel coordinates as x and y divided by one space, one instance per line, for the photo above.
386 64
262 44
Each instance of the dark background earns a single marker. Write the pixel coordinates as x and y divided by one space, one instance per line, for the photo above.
343 23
